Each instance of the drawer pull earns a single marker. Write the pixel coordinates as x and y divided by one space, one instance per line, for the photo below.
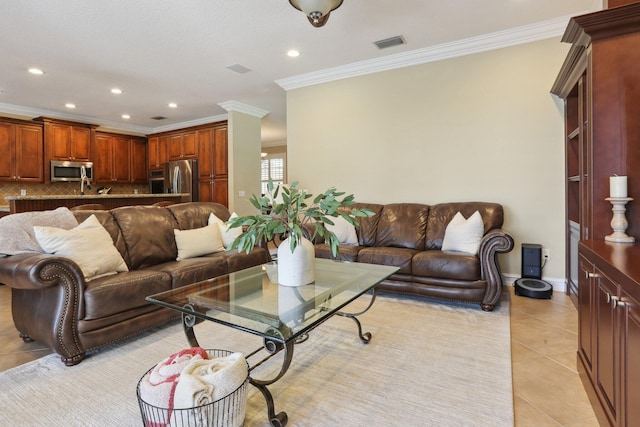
592 275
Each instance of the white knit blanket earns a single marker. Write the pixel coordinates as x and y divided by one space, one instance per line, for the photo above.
16 230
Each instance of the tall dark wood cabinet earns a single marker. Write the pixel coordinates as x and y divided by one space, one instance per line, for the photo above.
22 151
600 85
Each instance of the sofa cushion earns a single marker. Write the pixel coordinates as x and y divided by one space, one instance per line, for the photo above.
345 231
446 265
403 225
240 260
148 234
227 234
397 257
196 215
440 215
346 253
109 224
109 295
192 270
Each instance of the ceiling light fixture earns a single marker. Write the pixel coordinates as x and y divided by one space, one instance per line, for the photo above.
70 105
293 53
317 11
126 116
36 71
116 91
173 105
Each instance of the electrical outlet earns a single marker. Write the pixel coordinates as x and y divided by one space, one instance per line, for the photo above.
546 254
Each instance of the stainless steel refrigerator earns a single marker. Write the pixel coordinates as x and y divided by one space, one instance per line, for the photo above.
181 176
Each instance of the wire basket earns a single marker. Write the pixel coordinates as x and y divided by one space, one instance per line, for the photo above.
228 411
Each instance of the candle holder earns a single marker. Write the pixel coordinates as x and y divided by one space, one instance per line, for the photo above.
619 222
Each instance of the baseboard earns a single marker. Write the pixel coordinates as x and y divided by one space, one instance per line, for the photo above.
559 285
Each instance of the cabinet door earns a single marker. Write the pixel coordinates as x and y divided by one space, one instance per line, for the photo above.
221 162
157 148
630 367
7 160
206 149
215 190
102 159
607 338
120 160
29 153
175 147
138 163
189 146
59 141
586 271
80 143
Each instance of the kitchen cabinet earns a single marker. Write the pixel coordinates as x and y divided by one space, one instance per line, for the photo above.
609 332
66 140
183 146
21 143
119 158
157 148
213 164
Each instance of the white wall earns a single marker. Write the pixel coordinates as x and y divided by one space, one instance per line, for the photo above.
483 127
244 161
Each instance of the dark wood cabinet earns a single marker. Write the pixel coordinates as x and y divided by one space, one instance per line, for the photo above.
119 158
65 140
609 339
600 85
183 146
206 143
213 164
157 148
22 146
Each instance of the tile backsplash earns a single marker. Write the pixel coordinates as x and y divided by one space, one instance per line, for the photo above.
63 188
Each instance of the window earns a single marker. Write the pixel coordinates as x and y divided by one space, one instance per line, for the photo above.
274 168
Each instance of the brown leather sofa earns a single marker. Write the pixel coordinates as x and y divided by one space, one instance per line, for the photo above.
410 235
53 304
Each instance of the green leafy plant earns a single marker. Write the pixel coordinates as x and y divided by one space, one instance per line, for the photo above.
284 211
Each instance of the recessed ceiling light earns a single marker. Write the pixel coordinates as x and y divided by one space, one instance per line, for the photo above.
116 91
70 105
293 53
173 105
36 71
126 116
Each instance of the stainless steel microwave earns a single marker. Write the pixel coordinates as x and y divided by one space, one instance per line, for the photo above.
70 171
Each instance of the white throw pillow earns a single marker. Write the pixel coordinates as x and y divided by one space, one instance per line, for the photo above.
199 241
89 245
464 235
344 231
228 234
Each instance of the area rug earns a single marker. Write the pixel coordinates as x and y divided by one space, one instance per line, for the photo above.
429 364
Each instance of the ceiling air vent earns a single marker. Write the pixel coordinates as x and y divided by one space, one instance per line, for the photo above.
240 69
390 42
158 118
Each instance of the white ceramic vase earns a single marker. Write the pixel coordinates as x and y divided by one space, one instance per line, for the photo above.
296 268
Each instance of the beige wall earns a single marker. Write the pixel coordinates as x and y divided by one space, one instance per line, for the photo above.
244 161
481 127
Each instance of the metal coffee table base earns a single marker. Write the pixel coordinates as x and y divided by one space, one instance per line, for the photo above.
273 347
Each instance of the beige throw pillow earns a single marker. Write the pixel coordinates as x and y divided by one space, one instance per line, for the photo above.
228 234
464 235
344 231
199 241
89 245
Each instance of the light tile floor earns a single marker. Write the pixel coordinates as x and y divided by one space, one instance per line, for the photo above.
547 388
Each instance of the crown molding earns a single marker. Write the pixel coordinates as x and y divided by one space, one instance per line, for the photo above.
118 126
500 39
243 108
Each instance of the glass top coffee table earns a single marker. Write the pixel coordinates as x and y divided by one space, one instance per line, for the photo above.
252 301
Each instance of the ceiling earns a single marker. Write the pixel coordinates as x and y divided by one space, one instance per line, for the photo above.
162 51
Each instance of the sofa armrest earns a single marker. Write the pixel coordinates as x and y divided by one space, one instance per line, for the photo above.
493 243
47 300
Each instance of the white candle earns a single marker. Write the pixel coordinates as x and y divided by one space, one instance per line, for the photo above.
618 186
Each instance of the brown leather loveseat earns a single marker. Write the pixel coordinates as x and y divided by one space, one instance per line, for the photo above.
410 236
52 302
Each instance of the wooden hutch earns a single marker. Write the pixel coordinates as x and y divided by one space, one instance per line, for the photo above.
600 84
